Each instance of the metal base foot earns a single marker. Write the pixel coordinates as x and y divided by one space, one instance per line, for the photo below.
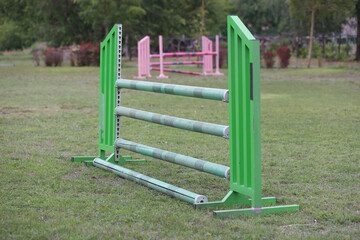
237 199
234 199
88 161
82 159
255 211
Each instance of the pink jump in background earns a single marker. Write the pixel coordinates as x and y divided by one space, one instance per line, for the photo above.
144 64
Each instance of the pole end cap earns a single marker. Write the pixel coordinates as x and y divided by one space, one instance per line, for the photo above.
200 199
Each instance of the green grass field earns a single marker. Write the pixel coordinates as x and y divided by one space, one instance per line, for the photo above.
310 154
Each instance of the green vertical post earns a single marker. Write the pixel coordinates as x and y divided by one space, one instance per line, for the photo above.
256 147
244 127
110 63
108 56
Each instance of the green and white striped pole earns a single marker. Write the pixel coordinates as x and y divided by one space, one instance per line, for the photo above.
182 123
195 163
181 90
152 183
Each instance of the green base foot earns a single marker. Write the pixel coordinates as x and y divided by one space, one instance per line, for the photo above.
255 211
234 199
237 199
123 160
82 159
88 163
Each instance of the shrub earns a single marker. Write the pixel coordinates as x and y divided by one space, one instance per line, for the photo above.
269 58
87 54
302 52
284 54
36 56
331 51
273 46
83 55
10 36
52 56
347 49
96 54
286 42
316 51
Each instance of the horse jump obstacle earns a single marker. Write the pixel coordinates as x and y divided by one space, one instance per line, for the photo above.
243 131
144 56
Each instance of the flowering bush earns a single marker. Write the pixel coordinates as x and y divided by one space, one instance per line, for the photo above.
284 54
269 59
53 56
96 54
87 54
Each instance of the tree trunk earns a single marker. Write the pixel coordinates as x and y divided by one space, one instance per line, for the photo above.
339 46
311 35
358 31
65 12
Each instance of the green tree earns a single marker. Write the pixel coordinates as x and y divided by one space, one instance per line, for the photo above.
328 25
264 16
58 22
308 9
16 28
101 15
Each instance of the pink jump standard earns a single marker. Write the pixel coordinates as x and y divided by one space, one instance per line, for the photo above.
143 58
217 72
161 75
144 64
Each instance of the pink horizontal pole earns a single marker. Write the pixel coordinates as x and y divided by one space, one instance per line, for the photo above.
176 71
183 54
177 63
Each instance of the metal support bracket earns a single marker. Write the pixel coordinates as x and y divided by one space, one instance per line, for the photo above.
255 211
82 158
233 198
236 199
118 90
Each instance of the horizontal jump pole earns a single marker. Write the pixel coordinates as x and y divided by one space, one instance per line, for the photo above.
182 123
177 63
198 164
153 183
183 54
180 90
176 71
